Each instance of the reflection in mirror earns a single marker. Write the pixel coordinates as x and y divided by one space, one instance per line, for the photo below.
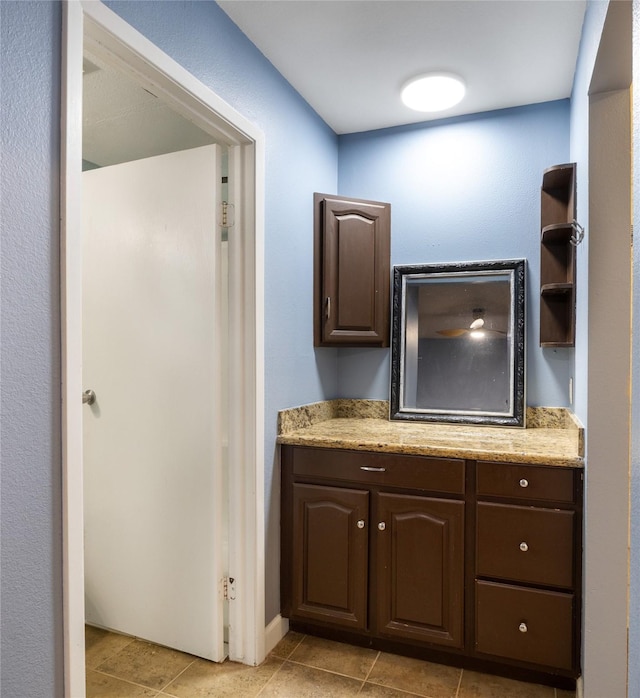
458 343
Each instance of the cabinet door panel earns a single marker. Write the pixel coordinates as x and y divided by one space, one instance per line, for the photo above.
330 554
420 568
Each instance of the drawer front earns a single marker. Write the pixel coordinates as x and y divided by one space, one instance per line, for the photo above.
525 544
525 481
364 467
524 624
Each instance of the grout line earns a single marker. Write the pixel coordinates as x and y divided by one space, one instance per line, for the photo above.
364 682
459 684
115 652
296 647
327 671
366 678
120 678
271 678
191 663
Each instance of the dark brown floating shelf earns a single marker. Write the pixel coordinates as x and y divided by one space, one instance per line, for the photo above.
557 234
557 256
556 289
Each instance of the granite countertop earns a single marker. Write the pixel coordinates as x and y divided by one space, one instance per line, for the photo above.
553 436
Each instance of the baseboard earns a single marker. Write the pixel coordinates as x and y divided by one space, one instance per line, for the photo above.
274 632
579 687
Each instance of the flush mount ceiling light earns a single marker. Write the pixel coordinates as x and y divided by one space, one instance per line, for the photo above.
433 92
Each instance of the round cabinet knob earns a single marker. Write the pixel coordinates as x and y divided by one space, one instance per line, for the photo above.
523 627
382 525
524 483
524 547
360 523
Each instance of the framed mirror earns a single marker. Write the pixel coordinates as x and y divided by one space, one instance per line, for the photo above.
458 343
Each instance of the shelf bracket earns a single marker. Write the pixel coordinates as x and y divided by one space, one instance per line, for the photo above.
578 233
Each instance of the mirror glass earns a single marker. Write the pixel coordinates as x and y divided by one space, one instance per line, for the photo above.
458 343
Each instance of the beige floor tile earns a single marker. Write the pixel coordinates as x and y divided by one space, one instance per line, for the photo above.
476 685
102 686
415 676
101 645
207 679
299 681
146 664
334 656
288 643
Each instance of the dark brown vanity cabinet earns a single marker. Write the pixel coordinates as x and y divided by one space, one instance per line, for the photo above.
373 545
558 256
528 562
467 562
352 259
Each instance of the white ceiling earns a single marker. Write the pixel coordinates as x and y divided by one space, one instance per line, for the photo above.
349 58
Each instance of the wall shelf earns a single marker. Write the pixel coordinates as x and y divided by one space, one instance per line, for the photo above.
558 256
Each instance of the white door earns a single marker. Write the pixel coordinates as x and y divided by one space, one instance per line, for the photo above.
152 439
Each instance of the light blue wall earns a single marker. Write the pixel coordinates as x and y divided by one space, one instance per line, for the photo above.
31 502
462 189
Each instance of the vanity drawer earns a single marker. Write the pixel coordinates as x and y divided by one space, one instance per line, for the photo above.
365 467
525 481
525 624
525 544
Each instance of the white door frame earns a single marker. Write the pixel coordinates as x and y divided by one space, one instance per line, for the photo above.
91 24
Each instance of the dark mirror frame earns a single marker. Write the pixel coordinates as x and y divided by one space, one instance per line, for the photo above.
514 415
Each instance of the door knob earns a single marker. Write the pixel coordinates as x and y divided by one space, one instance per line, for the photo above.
88 397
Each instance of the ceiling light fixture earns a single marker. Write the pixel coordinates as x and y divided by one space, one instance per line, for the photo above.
433 92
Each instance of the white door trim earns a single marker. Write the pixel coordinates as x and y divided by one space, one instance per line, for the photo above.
88 22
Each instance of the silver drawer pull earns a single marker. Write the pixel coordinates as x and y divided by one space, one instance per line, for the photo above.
382 525
524 547
523 627
524 483
360 523
371 469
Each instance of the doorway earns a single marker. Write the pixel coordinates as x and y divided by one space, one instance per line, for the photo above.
91 26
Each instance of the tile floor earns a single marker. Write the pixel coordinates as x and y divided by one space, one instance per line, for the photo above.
300 666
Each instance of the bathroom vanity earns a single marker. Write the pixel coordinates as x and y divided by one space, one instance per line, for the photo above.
455 543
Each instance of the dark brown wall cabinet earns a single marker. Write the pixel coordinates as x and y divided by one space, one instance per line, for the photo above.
473 563
352 257
558 257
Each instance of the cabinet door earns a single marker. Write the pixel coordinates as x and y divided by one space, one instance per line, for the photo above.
330 530
352 272
420 568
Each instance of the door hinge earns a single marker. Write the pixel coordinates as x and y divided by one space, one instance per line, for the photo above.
227 214
228 587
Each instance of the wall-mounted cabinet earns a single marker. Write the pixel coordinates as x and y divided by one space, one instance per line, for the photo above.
558 257
352 259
